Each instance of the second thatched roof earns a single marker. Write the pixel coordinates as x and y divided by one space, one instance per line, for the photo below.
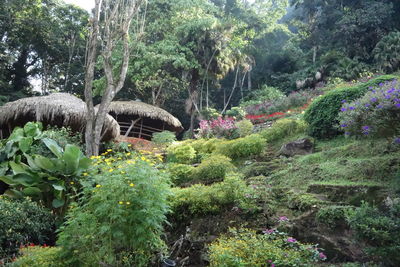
136 108
59 109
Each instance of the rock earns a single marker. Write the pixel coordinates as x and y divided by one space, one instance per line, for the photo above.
299 147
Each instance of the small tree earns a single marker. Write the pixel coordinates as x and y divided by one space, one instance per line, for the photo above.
109 29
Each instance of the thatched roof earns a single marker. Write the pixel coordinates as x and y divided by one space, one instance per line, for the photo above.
59 109
141 109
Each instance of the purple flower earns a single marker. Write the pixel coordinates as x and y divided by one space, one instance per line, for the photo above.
397 140
291 240
390 91
343 109
379 106
268 231
347 133
388 97
381 84
397 105
283 219
322 256
366 128
343 125
272 265
343 101
374 99
352 108
367 105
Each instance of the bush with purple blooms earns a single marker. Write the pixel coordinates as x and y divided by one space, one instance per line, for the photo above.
375 114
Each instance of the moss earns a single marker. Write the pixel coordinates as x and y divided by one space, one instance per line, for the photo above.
302 201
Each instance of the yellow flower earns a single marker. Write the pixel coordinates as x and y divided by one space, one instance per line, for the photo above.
109 150
120 202
123 172
92 157
128 203
128 154
119 158
71 182
129 145
110 170
131 184
98 185
143 158
85 174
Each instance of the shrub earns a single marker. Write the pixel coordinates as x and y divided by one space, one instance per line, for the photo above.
237 112
266 93
322 114
245 127
23 222
241 147
219 128
163 138
376 114
183 154
212 169
380 229
119 221
205 146
36 256
180 173
333 216
209 113
202 199
293 100
244 247
284 128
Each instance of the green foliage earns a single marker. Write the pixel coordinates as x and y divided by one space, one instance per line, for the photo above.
205 146
301 201
266 93
209 113
237 112
244 247
39 257
23 222
387 52
245 127
323 112
283 128
202 199
380 229
164 138
333 216
375 114
48 180
120 220
180 173
62 136
212 169
183 154
250 145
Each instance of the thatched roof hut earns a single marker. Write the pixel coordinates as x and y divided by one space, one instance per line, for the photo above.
138 119
59 109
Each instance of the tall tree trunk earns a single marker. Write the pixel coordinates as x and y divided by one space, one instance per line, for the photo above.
193 95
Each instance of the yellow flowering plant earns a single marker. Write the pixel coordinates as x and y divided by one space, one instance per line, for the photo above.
119 214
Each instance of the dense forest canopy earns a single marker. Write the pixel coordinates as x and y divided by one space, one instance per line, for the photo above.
199 54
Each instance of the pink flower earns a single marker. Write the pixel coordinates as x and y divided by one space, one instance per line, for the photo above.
283 219
291 240
322 256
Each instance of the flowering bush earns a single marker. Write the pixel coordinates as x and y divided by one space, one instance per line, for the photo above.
376 114
244 247
219 128
322 114
119 218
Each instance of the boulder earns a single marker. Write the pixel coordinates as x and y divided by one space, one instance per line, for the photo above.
299 147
